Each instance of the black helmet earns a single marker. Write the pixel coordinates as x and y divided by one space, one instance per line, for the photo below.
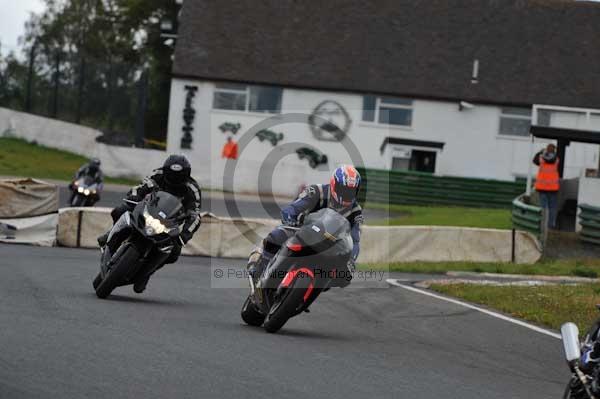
177 170
94 164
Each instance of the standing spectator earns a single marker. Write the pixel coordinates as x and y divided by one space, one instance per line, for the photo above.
547 182
230 149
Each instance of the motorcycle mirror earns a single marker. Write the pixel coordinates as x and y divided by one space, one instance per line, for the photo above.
570 337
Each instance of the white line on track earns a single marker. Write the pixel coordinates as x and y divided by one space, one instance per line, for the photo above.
396 283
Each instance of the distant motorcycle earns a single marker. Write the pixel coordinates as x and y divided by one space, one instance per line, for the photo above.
86 192
305 266
585 380
139 242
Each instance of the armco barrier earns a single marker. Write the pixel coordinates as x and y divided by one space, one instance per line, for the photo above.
35 230
590 224
403 187
529 218
231 238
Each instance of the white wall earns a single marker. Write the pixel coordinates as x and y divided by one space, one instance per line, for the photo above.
473 147
116 161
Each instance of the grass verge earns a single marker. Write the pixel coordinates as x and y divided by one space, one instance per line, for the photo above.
20 158
550 305
563 267
413 215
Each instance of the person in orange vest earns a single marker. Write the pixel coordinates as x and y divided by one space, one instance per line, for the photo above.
230 149
547 182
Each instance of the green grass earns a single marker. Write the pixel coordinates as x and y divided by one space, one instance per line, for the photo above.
444 216
550 305
20 158
563 267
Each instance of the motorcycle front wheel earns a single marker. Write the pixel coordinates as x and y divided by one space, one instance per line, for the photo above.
251 315
117 273
288 304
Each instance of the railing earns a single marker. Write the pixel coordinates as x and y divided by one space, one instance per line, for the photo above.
529 218
416 188
590 224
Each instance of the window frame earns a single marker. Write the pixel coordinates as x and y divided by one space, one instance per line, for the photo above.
513 117
246 93
379 103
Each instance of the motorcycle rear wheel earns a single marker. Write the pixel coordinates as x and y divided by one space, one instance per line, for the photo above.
117 273
288 305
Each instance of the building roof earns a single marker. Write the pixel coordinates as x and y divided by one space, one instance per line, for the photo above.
557 133
529 51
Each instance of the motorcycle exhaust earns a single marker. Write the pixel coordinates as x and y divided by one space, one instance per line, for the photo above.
570 338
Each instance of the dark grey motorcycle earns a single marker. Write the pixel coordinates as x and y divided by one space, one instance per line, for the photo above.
309 263
139 242
583 360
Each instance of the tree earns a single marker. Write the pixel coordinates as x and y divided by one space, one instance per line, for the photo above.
90 54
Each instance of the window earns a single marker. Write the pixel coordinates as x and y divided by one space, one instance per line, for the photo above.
239 97
388 110
515 121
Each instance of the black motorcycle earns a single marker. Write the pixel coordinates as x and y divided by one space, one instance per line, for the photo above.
585 380
139 242
85 192
309 263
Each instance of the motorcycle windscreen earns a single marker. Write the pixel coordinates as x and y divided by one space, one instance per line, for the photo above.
326 232
163 205
85 181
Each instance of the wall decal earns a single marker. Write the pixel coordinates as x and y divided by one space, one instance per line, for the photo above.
230 127
189 114
315 158
329 121
270 136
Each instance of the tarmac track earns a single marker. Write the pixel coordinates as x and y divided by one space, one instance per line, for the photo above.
184 339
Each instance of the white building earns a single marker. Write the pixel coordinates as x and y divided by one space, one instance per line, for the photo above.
407 92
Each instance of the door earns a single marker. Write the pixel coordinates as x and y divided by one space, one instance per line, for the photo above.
422 161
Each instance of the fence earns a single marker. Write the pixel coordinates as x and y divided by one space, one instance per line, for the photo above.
529 218
590 223
415 188
117 98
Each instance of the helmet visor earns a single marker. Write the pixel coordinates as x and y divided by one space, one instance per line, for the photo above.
343 196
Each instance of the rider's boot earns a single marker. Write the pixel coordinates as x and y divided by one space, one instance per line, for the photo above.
257 263
140 285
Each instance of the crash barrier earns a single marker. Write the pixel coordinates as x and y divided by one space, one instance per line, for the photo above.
589 219
36 230
417 188
217 237
531 218
27 197
235 238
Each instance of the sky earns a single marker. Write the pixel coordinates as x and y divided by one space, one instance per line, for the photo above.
13 15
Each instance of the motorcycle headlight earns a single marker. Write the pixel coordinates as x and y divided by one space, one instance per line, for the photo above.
86 191
79 189
154 225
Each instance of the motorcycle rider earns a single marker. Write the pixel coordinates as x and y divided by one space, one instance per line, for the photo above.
340 195
175 178
92 169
